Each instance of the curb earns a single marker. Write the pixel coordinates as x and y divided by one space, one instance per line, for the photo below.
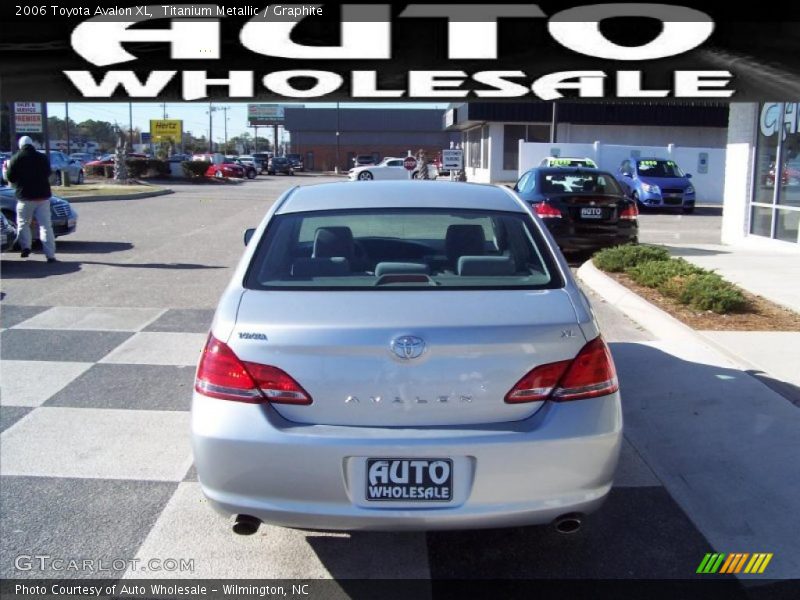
658 322
136 196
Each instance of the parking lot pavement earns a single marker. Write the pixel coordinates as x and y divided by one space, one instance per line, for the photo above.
97 371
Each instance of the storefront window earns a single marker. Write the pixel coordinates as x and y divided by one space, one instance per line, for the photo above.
512 134
776 189
761 223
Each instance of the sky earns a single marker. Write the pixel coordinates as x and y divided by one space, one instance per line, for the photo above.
195 115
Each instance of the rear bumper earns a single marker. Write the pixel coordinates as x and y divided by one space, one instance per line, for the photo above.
571 237
251 461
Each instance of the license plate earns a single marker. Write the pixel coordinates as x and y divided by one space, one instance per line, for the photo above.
409 480
592 213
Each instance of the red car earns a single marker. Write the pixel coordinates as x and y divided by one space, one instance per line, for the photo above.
108 159
225 170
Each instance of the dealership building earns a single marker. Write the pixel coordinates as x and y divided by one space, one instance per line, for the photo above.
331 137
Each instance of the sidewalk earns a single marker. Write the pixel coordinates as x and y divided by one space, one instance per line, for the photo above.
696 411
774 275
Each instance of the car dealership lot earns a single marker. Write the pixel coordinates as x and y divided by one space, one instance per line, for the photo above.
98 355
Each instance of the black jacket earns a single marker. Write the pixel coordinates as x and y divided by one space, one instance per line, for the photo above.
29 171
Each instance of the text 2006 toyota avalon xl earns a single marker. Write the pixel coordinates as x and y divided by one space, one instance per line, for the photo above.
404 355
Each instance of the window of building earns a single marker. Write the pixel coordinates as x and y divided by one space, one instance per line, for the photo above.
473 147
512 134
775 208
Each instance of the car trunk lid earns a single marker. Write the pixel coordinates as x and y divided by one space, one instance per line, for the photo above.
339 347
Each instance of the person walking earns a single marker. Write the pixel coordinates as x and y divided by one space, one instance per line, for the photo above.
29 173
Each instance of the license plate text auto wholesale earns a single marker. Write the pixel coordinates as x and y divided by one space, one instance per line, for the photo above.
591 213
409 479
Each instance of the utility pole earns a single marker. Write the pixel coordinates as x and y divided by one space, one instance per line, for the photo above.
45 130
338 132
554 124
66 120
225 112
130 124
210 128
164 107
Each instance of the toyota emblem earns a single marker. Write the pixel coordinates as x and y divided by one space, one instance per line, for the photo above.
408 347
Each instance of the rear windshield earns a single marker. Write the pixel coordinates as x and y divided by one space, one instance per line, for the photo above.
428 249
659 168
585 182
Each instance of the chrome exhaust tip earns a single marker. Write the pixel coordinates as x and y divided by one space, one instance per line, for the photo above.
569 523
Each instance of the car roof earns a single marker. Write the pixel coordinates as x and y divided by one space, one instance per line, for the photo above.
399 194
566 170
650 158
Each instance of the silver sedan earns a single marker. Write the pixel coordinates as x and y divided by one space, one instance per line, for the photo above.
404 355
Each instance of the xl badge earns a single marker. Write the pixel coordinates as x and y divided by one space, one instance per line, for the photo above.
408 347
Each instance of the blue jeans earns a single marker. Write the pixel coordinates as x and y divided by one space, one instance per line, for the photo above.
27 211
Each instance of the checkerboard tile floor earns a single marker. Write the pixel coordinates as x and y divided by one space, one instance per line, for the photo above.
96 463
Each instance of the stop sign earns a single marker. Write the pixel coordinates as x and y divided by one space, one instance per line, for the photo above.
410 163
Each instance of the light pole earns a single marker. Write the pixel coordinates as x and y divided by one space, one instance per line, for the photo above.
338 132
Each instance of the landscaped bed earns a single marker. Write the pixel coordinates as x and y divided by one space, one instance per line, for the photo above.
101 189
697 297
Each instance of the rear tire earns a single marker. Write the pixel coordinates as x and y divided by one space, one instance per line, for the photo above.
688 210
251 174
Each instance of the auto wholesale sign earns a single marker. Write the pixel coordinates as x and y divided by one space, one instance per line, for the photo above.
166 130
399 52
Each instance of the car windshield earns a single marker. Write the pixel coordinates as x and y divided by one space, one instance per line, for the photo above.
421 249
580 183
659 168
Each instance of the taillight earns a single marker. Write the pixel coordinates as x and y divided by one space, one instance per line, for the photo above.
222 375
545 211
589 375
629 213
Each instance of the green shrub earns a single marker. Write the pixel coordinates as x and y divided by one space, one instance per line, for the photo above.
194 168
656 273
620 258
709 291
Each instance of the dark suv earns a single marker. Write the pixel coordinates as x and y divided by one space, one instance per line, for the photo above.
280 164
297 161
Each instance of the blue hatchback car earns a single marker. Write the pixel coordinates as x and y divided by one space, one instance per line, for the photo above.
657 183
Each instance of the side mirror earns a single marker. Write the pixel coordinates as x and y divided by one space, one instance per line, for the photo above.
248 234
688 175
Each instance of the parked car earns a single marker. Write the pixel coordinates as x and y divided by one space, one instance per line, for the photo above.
261 160
584 209
4 156
108 159
60 162
83 157
390 168
249 167
179 158
226 169
364 160
297 161
657 183
568 161
280 164
63 216
354 379
8 233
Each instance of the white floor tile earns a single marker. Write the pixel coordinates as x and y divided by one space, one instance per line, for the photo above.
110 444
93 319
179 349
31 382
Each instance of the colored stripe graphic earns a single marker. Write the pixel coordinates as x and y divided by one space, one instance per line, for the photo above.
734 563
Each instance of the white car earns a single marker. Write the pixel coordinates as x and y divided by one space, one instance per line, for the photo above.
567 161
404 356
389 168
